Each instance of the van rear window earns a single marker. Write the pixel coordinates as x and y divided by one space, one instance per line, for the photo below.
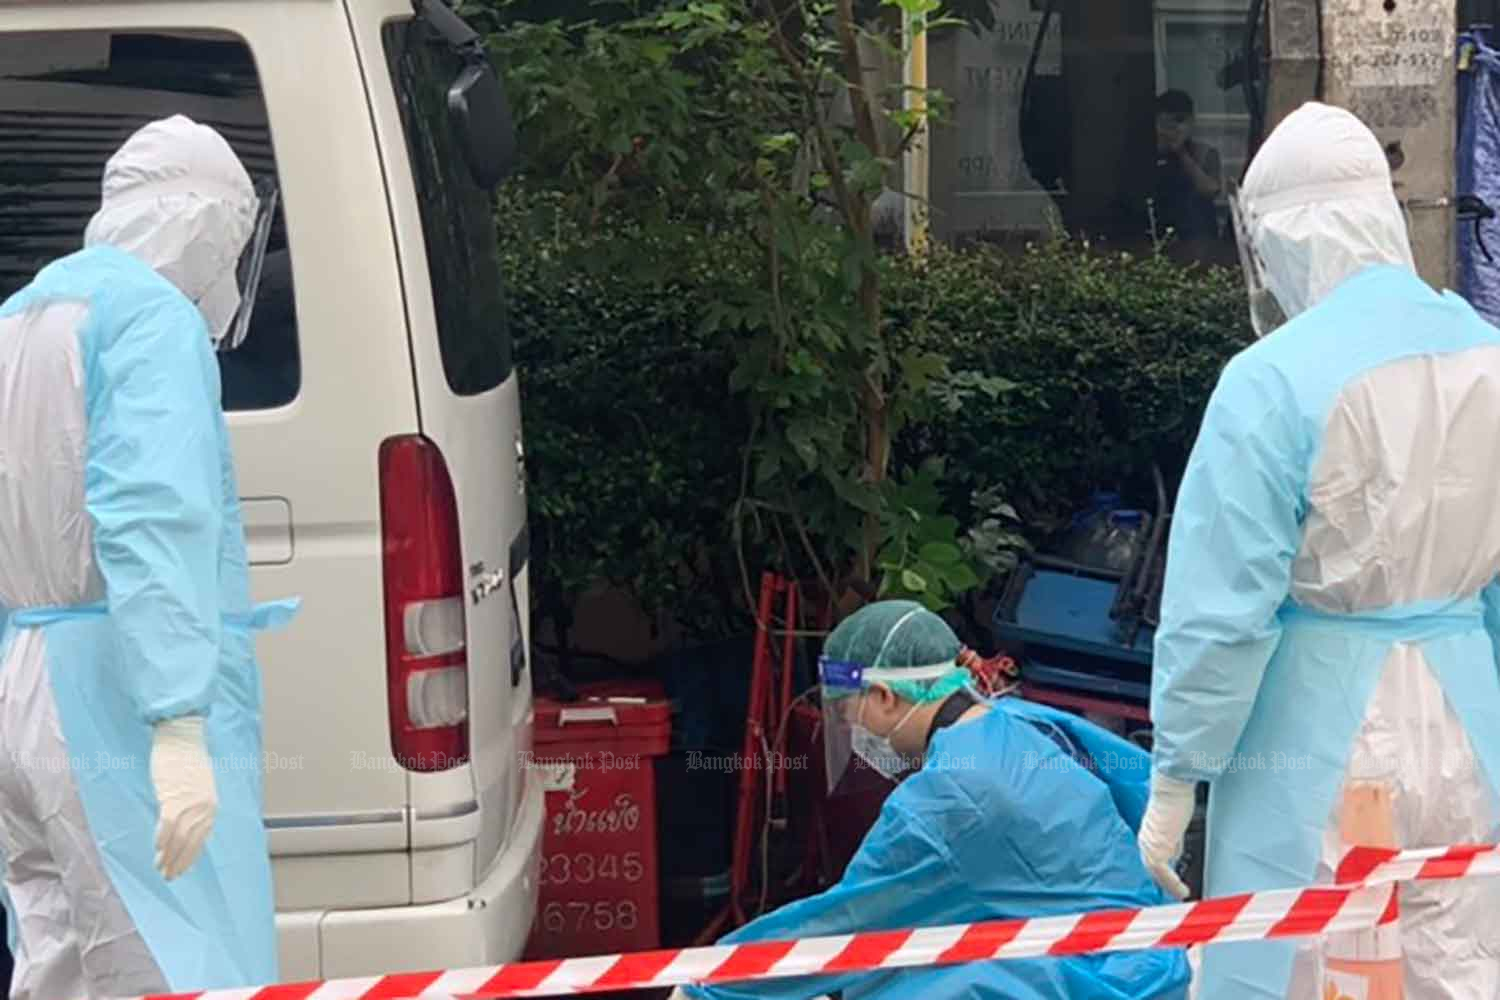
68 100
458 216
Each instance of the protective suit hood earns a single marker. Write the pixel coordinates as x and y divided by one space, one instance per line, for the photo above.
1319 206
176 197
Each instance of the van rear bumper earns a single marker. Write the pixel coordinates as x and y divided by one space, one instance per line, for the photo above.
487 926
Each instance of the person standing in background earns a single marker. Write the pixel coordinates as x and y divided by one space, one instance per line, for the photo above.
1188 174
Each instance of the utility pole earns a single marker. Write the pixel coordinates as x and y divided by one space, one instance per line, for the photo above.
915 162
1295 59
1392 63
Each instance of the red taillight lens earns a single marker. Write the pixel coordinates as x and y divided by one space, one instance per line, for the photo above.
427 666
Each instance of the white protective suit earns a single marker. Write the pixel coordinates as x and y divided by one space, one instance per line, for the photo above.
130 750
1326 657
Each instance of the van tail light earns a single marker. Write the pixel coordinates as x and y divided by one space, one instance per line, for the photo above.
427 666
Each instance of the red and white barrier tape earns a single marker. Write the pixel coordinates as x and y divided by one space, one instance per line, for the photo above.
1361 899
1376 866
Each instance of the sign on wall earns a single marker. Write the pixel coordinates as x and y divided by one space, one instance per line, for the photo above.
979 176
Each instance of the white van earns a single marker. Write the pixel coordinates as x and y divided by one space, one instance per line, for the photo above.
376 424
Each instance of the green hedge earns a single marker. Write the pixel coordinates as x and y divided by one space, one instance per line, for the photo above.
631 433
635 441
1113 355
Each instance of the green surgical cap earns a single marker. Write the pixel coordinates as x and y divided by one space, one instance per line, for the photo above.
899 636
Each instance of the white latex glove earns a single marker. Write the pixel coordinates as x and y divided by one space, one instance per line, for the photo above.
1168 814
184 780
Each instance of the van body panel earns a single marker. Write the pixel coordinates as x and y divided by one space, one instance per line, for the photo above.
324 678
476 435
442 873
298 946
459 933
342 880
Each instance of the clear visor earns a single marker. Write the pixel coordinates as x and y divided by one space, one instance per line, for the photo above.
252 263
1265 312
842 690
844 687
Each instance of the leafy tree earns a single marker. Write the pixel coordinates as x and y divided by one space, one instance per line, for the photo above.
682 122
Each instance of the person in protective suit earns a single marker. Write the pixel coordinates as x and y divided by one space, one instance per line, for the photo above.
130 734
1014 810
1326 657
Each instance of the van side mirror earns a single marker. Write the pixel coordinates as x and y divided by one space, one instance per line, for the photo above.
481 120
477 109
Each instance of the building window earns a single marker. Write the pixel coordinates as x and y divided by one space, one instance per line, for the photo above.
1055 123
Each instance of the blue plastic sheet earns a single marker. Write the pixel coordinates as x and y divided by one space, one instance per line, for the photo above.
1478 170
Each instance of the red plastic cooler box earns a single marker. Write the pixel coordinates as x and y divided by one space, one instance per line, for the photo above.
599 890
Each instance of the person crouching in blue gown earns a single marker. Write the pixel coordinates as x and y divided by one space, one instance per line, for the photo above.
1015 811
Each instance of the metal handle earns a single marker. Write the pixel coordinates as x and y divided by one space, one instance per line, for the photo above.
568 715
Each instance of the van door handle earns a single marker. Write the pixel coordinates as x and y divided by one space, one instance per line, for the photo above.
520 556
520 464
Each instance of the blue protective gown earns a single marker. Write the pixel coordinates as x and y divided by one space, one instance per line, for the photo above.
131 609
1331 459
1000 823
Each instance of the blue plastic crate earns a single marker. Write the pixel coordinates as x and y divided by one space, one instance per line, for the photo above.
1063 609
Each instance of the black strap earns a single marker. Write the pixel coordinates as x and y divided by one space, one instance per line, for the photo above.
949 712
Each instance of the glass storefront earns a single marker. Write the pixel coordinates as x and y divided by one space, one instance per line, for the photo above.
1118 120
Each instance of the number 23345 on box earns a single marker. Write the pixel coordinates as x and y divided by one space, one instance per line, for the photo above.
599 887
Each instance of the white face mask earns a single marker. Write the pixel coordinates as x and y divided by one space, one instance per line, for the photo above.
877 751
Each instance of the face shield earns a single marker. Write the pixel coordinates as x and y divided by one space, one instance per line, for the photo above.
247 273
846 727
1266 313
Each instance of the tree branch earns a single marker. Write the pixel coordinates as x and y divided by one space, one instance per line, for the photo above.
848 205
859 98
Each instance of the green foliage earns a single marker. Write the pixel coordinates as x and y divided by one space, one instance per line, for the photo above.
1112 358
723 372
995 539
920 559
694 117
637 446
631 436
639 113
826 387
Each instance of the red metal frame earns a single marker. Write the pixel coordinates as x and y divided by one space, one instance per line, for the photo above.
761 725
767 725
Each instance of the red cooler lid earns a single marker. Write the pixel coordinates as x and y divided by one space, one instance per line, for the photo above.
605 711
